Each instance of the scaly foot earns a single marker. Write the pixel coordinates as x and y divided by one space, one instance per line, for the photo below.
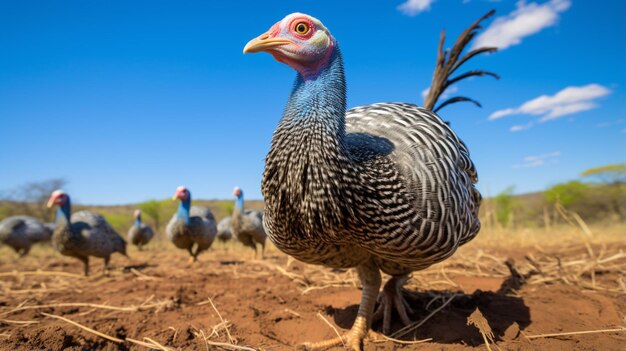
352 340
390 298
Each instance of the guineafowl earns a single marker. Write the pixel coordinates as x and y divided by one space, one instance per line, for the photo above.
84 233
384 187
140 233
21 232
247 226
224 233
191 225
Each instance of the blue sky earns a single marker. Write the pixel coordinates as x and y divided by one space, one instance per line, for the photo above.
129 99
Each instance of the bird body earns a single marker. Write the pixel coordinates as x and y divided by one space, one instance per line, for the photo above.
140 233
247 226
191 225
84 233
384 187
20 232
224 233
401 190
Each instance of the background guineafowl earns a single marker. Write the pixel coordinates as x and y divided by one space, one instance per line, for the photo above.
247 226
191 225
384 187
21 232
140 233
224 233
83 233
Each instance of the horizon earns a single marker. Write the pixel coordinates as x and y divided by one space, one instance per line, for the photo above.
126 101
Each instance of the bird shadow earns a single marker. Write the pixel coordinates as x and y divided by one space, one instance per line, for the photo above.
138 267
449 326
230 262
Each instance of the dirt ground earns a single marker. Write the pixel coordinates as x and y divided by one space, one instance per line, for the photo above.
161 301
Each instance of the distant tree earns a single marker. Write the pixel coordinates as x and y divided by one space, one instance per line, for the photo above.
152 209
566 193
609 174
31 198
450 60
614 178
505 203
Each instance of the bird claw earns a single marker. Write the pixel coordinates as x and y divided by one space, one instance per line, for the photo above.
352 340
348 340
391 298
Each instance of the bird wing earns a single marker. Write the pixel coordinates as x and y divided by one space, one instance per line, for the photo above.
433 162
223 227
102 238
202 212
203 226
29 228
408 129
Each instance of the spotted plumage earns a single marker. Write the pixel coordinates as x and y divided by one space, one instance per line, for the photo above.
247 225
139 233
192 228
21 232
84 233
387 186
224 233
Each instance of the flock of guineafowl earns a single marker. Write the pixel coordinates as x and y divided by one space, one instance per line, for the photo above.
85 233
385 187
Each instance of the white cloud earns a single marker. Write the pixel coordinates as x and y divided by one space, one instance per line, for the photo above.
539 160
527 19
520 127
566 102
446 94
414 7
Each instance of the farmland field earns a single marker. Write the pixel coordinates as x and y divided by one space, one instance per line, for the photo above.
228 300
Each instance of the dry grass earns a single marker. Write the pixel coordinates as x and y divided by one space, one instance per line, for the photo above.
577 256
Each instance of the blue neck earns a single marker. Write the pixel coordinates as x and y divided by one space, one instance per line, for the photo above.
138 221
319 100
239 203
63 212
183 210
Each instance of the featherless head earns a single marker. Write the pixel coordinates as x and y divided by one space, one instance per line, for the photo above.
137 213
298 40
237 192
57 198
181 194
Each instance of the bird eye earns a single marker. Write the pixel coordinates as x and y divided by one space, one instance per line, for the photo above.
302 28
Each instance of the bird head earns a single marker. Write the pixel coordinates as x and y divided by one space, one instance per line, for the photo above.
298 40
57 198
181 194
237 192
137 214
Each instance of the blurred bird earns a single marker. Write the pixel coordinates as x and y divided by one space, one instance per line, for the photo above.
191 225
21 232
224 233
247 226
139 234
383 187
83 234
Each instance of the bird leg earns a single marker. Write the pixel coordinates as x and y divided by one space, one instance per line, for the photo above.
193 257
389 298
105 270
353 339
24 252
85 260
